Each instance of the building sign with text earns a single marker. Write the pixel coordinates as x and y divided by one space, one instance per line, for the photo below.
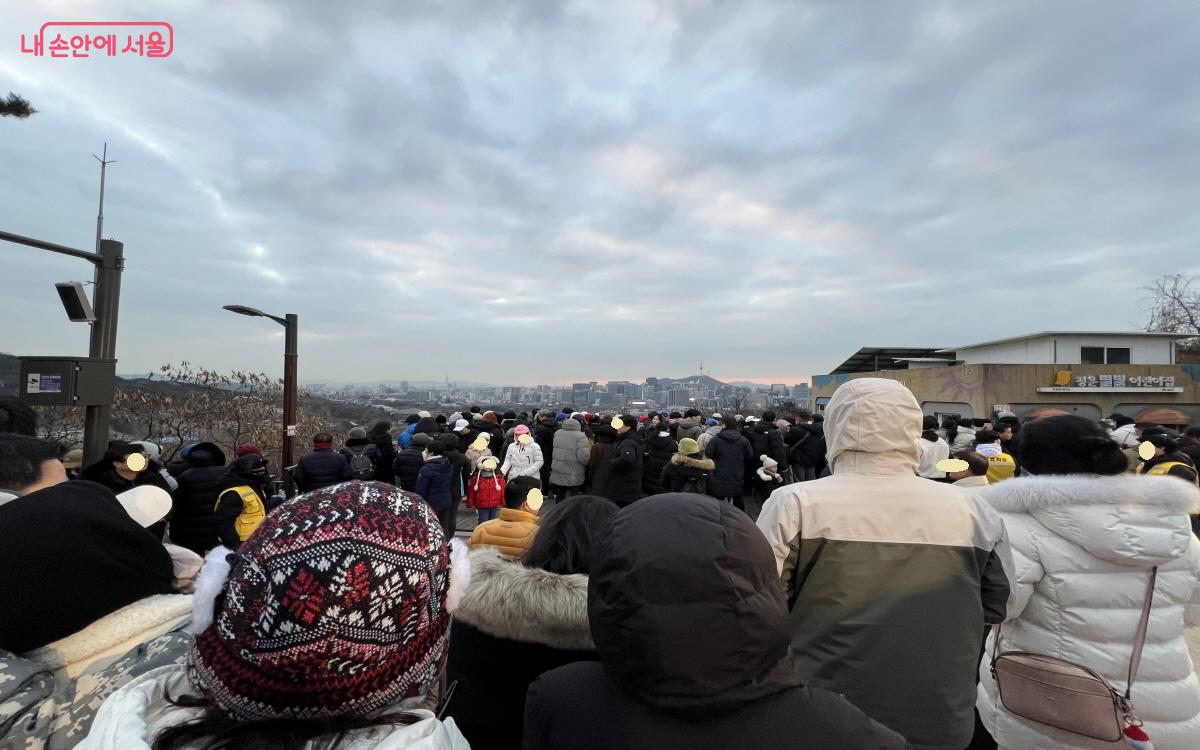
1065 382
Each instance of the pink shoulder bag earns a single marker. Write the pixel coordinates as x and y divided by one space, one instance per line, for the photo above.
1069 696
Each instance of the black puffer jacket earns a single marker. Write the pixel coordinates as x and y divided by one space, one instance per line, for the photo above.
514 623
731 451
682 471
321 468
604 450
806 444
766 439
657 455
408 464
194 522
625 472
385 451
693 646
543 435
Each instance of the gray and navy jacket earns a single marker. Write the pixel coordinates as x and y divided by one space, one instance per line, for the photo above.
891 578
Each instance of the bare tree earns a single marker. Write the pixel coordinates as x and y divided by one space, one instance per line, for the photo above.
1173 302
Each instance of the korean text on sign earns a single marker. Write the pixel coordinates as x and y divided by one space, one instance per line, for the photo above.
62 39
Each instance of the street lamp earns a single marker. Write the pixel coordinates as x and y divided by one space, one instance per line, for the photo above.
289 382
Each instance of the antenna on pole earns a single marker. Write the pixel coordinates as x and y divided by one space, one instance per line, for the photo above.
104 162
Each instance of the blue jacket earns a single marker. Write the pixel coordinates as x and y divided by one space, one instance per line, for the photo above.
406 437
433 482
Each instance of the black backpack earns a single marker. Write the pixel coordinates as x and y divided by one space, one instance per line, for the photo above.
361 465
697 485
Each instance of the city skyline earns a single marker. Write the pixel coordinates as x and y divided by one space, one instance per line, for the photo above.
531 192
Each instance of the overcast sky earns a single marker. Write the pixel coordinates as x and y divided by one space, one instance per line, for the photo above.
557 191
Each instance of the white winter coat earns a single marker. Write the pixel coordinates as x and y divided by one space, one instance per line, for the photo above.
1083 547
928 454
1125 436
132 717
964 440
522 460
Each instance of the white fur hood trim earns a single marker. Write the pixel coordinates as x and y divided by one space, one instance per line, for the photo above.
507 600
1025 494
128 626
1131 520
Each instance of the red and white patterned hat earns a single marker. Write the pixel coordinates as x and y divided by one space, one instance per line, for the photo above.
335 606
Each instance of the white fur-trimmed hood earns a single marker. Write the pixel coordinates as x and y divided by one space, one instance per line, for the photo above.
507 600
1135 520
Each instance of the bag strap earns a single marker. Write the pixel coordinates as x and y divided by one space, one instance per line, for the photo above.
1139 639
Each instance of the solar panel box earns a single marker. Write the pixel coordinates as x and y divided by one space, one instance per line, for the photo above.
67 381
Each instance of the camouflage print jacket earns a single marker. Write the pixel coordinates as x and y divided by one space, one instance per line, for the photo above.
49 697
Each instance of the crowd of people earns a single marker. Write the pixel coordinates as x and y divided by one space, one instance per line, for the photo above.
863 577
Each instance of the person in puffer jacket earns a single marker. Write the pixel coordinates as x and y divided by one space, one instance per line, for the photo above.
892 577
659 448
485 490
691 632
1085 537
521 618
687 471
194 523
524 457
409 461
569 459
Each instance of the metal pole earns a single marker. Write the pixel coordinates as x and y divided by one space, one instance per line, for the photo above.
103 343
290 395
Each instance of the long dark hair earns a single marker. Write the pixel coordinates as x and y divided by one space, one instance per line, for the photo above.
950 424
1070 444
563 543
214 730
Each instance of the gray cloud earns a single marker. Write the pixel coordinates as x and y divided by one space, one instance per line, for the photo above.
542 191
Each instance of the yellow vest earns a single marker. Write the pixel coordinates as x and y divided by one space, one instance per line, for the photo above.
1164 467
253 511
1001 467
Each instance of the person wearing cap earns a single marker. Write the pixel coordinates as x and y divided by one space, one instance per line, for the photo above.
72 460
1167 460
691 634
712 426
242 507
118 472
512 531
330 626
688 470
625 472
322 467
153 452
1001 466
524 457
689 425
